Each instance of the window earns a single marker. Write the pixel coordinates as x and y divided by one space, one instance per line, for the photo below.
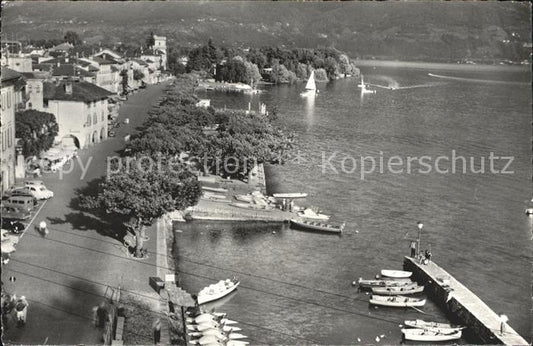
29 105
9 99
3 101
103 116
95 118
29 88
37 88
88 120
3 141
9 137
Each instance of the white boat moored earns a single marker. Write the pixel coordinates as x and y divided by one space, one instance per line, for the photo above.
430 335
217 291
398 274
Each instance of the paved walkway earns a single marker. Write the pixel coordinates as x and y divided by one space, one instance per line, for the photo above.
66 274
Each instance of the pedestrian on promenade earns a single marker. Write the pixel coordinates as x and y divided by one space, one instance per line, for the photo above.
101 313
157 331
503 321
21 306
43 229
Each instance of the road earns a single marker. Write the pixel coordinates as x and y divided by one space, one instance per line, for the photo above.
65 275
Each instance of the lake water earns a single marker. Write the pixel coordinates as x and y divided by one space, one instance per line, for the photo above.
296 286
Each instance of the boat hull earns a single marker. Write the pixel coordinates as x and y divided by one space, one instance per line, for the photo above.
396 301
392 291
316 226
202 299
384 283
398 274
428 335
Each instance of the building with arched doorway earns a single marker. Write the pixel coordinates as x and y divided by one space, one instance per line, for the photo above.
81 111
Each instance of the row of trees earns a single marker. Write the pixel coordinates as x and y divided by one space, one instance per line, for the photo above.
288 65
139 192
178 126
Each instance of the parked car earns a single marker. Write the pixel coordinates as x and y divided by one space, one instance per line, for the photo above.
15 213
33 183
19 191
111 133
40 192
13 225
26 203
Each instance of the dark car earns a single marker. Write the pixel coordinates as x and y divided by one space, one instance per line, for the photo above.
13 225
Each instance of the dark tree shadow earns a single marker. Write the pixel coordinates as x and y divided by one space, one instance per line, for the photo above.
86 219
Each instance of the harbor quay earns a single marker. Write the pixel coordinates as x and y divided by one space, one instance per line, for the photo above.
462 305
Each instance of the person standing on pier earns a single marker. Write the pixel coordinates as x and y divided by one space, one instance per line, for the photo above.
413 249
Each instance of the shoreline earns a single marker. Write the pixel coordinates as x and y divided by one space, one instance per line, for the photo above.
442 66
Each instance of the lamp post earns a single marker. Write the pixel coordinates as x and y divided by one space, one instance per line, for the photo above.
420 225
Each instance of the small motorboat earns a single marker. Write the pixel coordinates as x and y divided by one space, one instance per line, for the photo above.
317 226
443 327
392 291
397 274
309 213
529 211
195 328
290 195
217 291
430 335
219 334
384 283
396 301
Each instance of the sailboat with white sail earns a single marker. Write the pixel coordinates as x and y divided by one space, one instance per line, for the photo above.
364 90
310 87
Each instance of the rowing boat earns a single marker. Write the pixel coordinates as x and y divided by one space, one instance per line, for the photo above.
398 274
396 301
317 226
430 335
443 327
392 291
384 283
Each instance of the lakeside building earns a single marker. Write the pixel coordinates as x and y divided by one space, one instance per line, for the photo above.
11 81
81 111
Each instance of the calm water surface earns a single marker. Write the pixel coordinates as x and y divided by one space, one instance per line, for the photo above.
296 286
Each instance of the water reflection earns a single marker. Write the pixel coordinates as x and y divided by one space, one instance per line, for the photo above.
309 109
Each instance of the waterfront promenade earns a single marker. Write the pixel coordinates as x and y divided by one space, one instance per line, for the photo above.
66 274
463 304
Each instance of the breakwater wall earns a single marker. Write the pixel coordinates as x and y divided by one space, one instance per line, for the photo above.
462 305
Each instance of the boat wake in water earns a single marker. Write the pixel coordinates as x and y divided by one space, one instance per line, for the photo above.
475 80
392 84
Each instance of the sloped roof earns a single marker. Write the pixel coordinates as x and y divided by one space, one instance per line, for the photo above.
70 70
140 62
81 92
35 75
103 61
9 75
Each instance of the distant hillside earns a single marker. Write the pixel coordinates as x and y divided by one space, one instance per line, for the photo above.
439 31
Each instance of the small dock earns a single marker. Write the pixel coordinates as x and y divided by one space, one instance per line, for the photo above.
462 304
213 210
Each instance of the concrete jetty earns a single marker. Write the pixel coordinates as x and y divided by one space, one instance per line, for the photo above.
462 305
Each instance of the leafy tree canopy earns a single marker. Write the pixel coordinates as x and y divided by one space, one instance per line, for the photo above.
37 131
